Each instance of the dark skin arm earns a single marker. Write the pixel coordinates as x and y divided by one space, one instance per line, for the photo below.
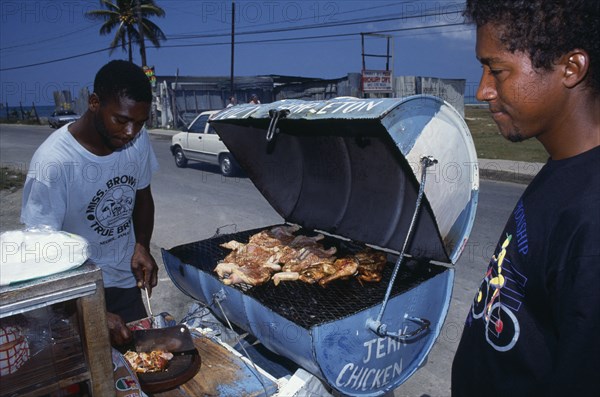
119 333
143 265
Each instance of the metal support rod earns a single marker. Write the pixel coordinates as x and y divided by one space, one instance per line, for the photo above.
376 325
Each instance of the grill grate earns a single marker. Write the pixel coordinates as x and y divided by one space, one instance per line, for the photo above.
305 304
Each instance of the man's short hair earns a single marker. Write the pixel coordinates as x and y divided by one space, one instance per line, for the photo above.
544 29
118 79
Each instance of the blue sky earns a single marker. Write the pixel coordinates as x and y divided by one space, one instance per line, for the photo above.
308 38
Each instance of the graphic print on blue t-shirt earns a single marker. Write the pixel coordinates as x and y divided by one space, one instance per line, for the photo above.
501 293
109 211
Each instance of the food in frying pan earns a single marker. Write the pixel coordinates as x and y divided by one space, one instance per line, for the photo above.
279 255
154 361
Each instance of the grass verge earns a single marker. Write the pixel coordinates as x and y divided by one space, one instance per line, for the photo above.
491 145
11 178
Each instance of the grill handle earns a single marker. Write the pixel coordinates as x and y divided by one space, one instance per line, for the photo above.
375 325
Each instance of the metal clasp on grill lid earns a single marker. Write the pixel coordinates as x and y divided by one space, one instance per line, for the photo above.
275 115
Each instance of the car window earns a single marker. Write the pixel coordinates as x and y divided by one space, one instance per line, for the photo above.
199 124
211 129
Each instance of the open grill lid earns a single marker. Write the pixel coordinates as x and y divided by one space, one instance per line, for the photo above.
352 167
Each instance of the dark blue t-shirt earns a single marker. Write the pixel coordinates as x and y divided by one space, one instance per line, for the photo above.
534 325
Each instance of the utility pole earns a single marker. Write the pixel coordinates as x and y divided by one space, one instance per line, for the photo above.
232 88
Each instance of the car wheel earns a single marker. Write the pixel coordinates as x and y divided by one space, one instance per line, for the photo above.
180 159
226 165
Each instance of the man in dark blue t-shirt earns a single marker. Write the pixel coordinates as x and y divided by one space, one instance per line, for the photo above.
534 322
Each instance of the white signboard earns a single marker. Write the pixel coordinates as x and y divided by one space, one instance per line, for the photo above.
377 81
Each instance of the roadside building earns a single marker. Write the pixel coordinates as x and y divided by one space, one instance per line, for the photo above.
178 99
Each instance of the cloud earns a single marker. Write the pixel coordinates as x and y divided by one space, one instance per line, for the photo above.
465 33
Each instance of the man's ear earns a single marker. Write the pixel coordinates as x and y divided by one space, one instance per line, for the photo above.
576 64
93 102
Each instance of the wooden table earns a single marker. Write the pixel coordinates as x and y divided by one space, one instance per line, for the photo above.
70 364
223 372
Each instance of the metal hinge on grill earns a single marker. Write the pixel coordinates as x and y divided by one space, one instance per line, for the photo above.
275 115
375 325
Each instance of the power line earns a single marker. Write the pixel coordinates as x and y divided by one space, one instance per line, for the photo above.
309 37
313 26
49 38
343 23
387 5
55 60
183 36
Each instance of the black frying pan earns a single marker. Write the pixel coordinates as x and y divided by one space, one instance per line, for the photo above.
182 367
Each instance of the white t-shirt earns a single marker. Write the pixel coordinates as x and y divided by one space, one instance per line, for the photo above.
68 188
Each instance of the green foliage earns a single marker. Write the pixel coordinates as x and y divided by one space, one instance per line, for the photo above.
123 17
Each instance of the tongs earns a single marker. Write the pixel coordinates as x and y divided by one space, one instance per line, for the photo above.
149 306
148 301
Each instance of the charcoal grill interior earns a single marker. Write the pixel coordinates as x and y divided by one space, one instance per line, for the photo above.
308 305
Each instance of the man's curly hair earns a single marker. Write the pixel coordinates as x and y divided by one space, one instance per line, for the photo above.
545 29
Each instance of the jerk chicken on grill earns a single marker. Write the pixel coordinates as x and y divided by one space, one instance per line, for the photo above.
280 255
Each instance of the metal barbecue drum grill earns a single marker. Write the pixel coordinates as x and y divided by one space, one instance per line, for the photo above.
399 175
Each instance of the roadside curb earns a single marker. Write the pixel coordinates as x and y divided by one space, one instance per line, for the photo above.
504 176
508 171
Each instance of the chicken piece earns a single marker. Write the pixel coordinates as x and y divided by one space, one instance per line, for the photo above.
296 260
291 256
317 271
267 238
223 269
231 273
344 267
370 265
247 263
277 236
233 245
303 258
253 255
309 275
284 231
306 241
285 276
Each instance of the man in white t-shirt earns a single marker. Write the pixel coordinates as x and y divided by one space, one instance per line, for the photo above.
92 178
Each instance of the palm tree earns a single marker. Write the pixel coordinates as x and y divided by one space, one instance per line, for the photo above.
130 19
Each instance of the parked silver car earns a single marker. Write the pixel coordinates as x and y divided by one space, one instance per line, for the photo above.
61 117
200 142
